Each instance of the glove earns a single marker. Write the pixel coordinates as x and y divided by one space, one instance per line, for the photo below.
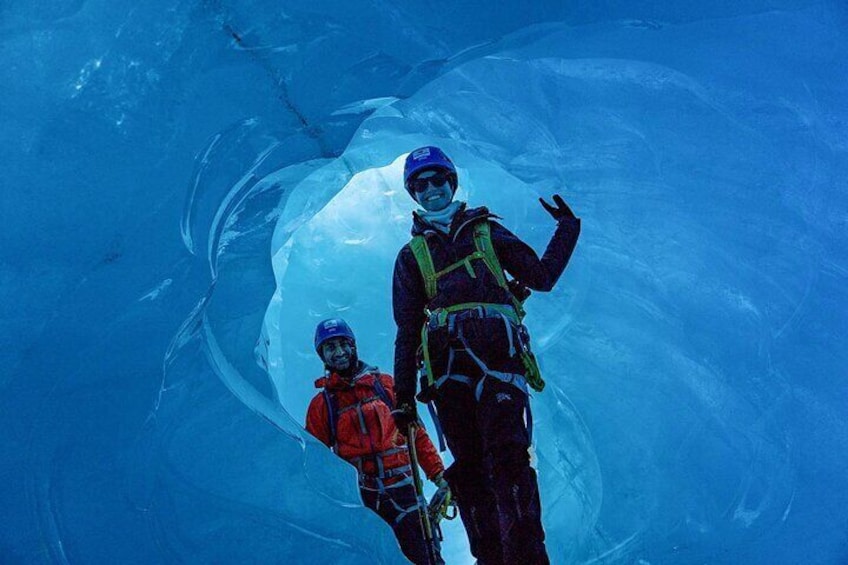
519 290
560 210
441 498
405 393
404 415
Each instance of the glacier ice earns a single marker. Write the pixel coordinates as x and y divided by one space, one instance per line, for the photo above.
191 186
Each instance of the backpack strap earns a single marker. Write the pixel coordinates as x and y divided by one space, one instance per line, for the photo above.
332 417
381 391
333 410
485 251
381 394
483 243
421 251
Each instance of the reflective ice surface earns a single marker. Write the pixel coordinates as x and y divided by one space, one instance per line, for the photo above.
190 187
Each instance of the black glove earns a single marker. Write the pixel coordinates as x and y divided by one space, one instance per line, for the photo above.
404 415
560 210
519 290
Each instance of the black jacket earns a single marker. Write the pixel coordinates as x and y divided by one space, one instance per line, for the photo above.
517 258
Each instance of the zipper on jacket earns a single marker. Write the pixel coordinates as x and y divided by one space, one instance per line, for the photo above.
465 223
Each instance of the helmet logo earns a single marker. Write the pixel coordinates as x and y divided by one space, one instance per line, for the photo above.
333 327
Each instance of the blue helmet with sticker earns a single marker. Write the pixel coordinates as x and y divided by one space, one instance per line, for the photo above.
423 158
328 329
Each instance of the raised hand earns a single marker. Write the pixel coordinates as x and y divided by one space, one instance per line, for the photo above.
559 210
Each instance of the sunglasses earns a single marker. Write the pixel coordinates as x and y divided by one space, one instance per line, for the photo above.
418 184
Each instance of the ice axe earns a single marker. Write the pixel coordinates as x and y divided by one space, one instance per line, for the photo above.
423 512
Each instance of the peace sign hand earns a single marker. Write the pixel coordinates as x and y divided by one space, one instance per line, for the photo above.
559 210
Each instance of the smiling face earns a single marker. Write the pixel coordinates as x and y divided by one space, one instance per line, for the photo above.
433 197
337 353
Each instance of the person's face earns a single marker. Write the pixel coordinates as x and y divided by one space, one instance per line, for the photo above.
337 353
436 194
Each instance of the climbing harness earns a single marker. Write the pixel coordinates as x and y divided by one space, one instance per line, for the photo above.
367 479
512 316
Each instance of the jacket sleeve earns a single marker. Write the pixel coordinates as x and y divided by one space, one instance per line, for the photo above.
408 302
428 455
520 261
389 386
317 422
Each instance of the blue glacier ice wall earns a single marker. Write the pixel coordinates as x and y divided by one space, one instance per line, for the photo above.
190 186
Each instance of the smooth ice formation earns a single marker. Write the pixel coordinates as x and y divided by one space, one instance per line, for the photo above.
190 187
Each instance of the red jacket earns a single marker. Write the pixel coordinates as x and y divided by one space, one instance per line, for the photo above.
358 404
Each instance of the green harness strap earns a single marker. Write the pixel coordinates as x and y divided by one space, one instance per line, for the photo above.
485 252
483 242
425 264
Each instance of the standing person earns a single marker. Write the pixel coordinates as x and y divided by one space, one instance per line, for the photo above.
452 300
352 415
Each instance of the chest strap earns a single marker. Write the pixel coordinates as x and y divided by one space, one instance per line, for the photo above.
484 251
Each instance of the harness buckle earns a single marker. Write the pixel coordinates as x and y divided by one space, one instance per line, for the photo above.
432 319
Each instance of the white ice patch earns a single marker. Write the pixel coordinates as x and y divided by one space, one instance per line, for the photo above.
362 106
154 294
85 74
747 517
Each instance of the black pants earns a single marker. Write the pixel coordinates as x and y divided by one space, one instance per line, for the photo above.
398 507
491 477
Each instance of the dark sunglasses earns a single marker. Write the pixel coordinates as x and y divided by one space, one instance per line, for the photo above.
418 184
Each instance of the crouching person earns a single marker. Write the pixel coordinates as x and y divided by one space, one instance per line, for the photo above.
352 415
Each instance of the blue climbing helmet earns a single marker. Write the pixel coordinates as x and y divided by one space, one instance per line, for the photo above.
423 158
330 328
